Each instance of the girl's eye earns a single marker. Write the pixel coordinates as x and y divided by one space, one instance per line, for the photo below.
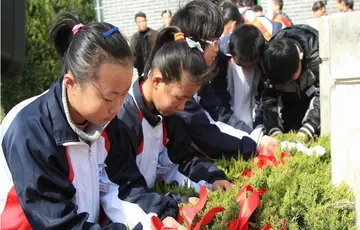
107 100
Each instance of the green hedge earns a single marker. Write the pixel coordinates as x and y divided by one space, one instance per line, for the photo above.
42 65
2 113
301 192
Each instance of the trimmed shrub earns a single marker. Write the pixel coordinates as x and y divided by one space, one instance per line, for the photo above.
299 191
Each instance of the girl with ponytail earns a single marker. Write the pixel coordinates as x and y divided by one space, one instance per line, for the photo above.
59 150
174 72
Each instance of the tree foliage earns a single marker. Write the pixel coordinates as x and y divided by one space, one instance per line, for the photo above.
42 64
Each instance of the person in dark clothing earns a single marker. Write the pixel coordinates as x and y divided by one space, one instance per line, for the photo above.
214 129
291 99
142 42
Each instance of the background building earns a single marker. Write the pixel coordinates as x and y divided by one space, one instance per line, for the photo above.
122 12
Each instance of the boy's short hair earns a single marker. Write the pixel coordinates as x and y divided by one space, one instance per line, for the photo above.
165 11
318 5
140 15
281 60
199 19
246 43
257 8
280 3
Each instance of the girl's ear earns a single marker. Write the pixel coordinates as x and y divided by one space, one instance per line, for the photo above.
69 81
156 78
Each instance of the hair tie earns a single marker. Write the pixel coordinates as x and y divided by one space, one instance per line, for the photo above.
111 31
77 28
193 44
179 36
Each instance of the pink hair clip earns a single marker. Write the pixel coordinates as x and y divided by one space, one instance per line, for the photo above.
77 28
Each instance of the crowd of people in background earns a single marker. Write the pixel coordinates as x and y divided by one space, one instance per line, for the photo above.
219 80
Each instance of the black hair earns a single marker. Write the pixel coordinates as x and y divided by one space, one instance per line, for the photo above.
140 15
221 3
246 43
174 58
231 13
280 3
257 8
84 52
350 4
281 60
166 11
248 2
199 19
318 5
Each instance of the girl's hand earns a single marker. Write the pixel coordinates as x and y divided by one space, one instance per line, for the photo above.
269 142
193 200
223 185
172 223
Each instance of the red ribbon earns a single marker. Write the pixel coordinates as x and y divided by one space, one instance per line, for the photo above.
247 207
266 158
247 173
208 217
188 213
283 155
158 225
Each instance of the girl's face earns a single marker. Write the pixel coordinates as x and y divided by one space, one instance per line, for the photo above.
99 101
210 52
171 98
341 6
320 13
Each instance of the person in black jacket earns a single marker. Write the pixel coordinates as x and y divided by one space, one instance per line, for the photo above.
291 100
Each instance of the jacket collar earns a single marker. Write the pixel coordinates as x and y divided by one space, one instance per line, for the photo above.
152 118
62 132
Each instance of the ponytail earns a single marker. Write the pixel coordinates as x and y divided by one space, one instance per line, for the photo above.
85 47
61 34
166 35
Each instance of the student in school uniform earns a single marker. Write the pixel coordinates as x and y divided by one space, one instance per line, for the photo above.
60 150
291 97
175 71
245 77
214 129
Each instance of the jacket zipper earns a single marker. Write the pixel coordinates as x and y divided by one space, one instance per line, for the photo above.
92 180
